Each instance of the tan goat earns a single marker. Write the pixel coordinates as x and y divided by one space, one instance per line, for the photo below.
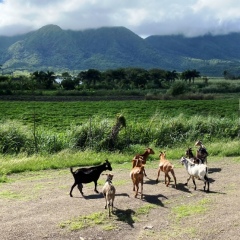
109 192
143 157
137 174
166 167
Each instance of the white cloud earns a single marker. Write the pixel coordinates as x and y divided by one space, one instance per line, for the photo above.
152 17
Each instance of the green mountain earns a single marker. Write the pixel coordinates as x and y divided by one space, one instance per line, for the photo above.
50 47
209 54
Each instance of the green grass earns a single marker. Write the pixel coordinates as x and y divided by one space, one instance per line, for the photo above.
102 218
84 221
12 195
21 163
187 210
60 126
59 116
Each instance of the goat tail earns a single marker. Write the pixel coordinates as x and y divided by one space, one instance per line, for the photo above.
71 170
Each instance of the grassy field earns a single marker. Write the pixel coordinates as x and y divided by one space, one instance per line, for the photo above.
60 115
61 128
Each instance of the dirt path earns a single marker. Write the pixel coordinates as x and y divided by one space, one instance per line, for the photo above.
37 206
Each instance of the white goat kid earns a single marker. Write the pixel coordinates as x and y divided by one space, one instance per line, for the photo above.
109 193
199 171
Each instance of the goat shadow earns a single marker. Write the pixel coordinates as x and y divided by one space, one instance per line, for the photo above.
91 196
210 191
150 181
182 187
154 199
213 170
122 194
125 216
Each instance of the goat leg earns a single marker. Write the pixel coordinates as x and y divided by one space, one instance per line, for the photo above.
141 190
174 177
109 212
195 186
167 176
206 182
95 188
80 187
158 175
136 193
73 186
187 181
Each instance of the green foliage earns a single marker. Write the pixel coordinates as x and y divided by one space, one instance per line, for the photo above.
13 138
183 210
84 221
20 163
68 84
95 134
177 88
59 116
118 47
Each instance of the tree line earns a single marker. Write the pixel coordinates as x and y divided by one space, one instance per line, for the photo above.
121 78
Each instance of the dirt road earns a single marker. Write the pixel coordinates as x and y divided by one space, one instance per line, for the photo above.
38 206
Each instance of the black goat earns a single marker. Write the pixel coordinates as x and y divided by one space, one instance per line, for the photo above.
87 175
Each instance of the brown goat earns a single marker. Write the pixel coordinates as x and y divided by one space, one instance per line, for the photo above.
143 157
166 167
195 159
201 152
137 174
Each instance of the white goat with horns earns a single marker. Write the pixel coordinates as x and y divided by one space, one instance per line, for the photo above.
199 171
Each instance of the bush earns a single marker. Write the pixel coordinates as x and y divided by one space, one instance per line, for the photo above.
177 88
12 138
68 84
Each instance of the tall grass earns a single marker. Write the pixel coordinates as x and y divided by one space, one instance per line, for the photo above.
80 145
160 131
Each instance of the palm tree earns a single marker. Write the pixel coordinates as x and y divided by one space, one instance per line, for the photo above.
190 75
195 74
171 76
50 78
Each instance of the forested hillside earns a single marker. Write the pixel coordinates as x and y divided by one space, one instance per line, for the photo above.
51 48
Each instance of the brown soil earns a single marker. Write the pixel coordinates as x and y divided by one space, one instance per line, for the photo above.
34 205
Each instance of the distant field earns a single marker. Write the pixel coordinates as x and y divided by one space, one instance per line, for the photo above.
60 115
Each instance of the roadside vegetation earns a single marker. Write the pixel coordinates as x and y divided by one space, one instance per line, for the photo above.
175 111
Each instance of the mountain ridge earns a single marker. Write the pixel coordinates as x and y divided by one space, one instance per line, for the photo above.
51 47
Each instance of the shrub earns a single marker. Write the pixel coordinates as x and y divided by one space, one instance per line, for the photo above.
177 88
13 138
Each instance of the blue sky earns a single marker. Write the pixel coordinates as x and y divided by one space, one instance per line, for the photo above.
143 17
